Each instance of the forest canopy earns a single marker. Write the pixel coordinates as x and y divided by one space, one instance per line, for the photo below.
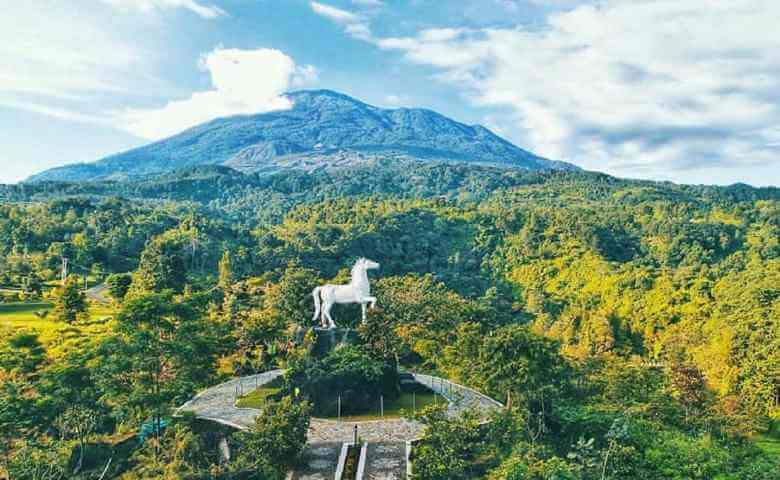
606 308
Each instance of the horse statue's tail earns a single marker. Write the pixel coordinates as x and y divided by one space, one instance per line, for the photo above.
316 294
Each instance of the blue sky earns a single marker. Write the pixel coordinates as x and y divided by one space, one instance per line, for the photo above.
661 89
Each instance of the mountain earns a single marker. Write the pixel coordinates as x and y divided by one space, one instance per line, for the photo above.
323 129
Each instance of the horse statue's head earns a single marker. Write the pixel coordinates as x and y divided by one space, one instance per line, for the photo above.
369 264
364 264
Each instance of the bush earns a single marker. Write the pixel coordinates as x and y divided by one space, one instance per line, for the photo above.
348 372
275 441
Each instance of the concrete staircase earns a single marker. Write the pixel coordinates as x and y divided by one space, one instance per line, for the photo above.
385 461
320 461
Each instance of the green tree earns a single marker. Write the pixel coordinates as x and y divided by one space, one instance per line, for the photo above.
449 448
277 437
70 302
424 315
78 423
225 271
290 298
162 351
347 372
178 454
161 267
512 360
118 285
21 352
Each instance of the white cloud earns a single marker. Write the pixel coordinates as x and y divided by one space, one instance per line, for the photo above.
394 100
55 51
205 11
355 25
56 112
244 82
336 14
656 88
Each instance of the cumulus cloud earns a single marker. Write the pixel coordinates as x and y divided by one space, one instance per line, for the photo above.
205 11
243 82
652 89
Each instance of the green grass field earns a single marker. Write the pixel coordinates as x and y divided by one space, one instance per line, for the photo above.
407 402
257 398
53 334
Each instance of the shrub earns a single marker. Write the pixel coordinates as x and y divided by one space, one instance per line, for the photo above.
347 372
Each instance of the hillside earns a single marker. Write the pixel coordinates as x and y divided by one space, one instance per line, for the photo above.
634 321
322 129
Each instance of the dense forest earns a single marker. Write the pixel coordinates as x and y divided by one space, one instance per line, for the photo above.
634 325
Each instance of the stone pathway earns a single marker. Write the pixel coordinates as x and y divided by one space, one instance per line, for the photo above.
218 404
396 430
319 462
461 398
386 461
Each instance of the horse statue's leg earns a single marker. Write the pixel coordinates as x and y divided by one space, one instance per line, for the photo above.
326 316
363 307
371 300
316 294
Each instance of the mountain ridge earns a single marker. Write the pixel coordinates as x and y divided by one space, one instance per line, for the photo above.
323 129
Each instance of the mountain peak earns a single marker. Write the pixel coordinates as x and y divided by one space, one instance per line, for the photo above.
322 129
321 92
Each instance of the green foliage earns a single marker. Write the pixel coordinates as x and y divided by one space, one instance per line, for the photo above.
39 462
70 302
635 325
21 352
290 298
510 360
77 422
276 440
178 454
225 271
162 351
118 285
450 447
421 316
347 372
161 267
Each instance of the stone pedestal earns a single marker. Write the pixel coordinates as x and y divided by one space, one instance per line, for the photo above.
328 339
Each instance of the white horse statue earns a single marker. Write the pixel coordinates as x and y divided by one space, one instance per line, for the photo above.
356 291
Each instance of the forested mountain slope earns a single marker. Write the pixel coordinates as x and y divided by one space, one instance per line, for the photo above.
644 315
322 129
681 270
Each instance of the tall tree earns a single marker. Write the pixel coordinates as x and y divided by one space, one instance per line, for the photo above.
163 350
118 285
70 301
77 422
162 267
225 270
277 437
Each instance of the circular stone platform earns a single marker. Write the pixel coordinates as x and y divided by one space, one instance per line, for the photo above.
218 404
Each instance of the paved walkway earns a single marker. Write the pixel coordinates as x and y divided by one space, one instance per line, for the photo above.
218 404
99 293
461 398
386 461
319 462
